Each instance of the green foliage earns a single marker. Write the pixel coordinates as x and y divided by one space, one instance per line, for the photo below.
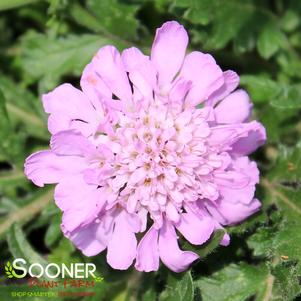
20 247
178 288
46 43
47 59
235 282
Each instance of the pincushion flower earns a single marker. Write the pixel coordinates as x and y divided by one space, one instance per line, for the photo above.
156 145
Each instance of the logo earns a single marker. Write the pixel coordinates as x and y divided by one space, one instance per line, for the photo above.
19 268
50 279
10 272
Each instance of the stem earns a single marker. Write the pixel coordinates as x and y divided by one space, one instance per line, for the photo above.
27 212
25 116
10 4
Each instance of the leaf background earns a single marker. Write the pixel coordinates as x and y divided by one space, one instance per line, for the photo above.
43 43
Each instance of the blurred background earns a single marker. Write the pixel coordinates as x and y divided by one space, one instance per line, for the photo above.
45 43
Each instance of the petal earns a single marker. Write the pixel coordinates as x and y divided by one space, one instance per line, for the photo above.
205 75
71 143
170 253
94 238
85 240
45 167
255 138
168 50
225 241
94 87
235 108
242 138
196 229
172 212
227 213
108 65
80 202
137 176
141 70
69 109
231 81
245 194
178 93
122 247
147 258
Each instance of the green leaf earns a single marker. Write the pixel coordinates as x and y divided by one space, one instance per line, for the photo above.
29 207
280 95
284 189
206 248
116 17
179 287
235 282
277 123
197 12
290 63
54 230
23 107
10 4
21 248
9 141
270 40
7 205
224 32
261 89
63 253
289 98
286 284
47 59
11 178
290 21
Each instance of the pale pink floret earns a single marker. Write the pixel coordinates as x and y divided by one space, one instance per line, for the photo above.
162 139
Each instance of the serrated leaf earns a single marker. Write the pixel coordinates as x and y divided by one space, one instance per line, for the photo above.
235 282
198 12
179 287
23 106
280 95
289 98
48 59
54 231
270 40
284 189
261 89
29 207
21 248
286 285
208 247
9 145
116 16
224 32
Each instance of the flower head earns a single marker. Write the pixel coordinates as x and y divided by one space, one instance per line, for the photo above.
156 145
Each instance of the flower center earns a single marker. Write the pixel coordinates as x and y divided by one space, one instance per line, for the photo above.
158 165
